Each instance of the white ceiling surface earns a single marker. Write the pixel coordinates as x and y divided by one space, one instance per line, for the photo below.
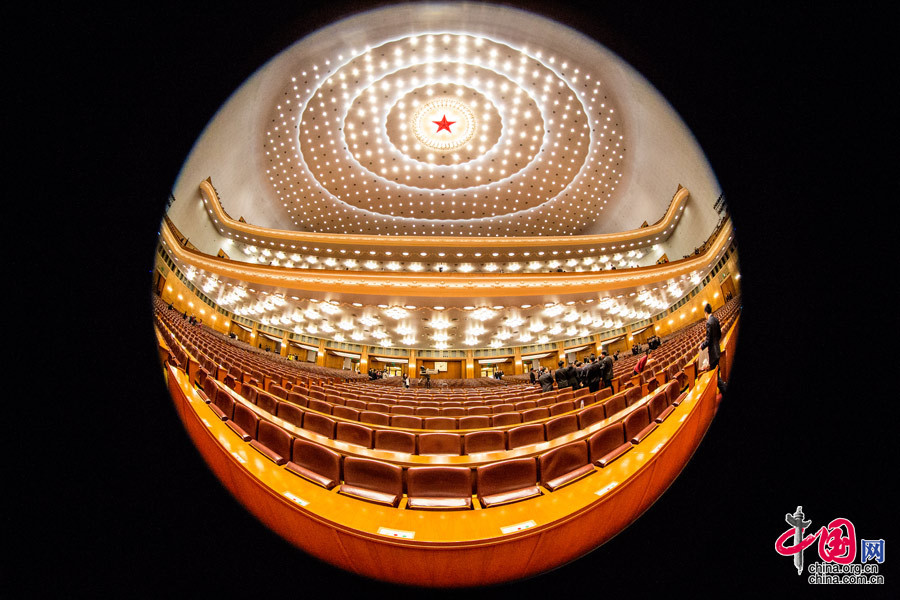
659 151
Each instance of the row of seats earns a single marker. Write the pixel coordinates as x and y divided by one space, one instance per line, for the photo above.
426 442
443 487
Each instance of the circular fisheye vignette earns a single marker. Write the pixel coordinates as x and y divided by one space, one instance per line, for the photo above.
268 425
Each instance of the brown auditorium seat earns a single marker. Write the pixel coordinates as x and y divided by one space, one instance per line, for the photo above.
590 415
507 418
319 424
298 399
608 444
439 423
478 410
475 422
334 399
291 413
561 407
561 426
379 407
315 463
209 389
659 407
223 404
679 399
524 405
535 414
581 392
399 409
267 402
453 411
372 480
374 418
230 381
614 405
564 465
524 435
484 441
439 443
439 488
343 412
354 433
279 392
273 442
507 481
244 423
632 395
428 411
548 401
396 441
674 373
502 408
638 425
602 394
357 404
430 404
406 421
319 406
566 394
317 393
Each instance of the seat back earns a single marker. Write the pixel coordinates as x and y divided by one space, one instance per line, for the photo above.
534 414
396 441
374 418
484 441
439 443
506 476
614 405
590 415
636 421
354 433
267 402
276 439
374 475
322 461
524 435
439 482
344 412
509 418
502 408
439 423
475 422
562 407
319 406
297 398
561 426
632 395
478 410
606 440
319 424
560 461
291 413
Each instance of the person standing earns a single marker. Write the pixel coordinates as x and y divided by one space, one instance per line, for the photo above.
594 375
562 376
607 373
531 376
546 380
712 341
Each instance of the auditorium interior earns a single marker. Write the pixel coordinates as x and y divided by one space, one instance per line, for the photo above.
380 239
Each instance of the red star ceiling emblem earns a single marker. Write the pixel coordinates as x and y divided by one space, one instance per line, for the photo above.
443 124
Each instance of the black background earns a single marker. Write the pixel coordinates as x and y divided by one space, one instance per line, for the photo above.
781 101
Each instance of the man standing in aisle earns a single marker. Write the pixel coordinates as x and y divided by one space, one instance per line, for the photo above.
713 338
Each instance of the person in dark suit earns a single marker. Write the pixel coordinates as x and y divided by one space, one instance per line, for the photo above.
546 380
531 376
712 341
562 376
594 375
607 373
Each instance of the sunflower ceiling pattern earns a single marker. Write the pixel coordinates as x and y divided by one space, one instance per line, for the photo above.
444 134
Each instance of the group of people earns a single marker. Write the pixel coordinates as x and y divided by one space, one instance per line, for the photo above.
594 373
376 374
498 374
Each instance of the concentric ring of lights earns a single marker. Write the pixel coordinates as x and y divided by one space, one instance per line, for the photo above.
422 124
316 161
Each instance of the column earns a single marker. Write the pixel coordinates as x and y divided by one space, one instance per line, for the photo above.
320 355
284 344
469 372
518 367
